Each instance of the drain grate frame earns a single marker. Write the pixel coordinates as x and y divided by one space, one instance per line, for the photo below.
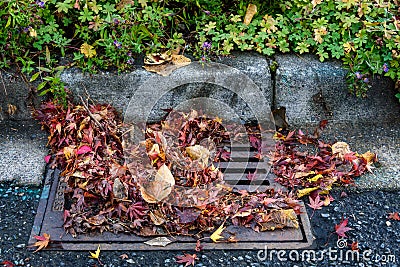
49 219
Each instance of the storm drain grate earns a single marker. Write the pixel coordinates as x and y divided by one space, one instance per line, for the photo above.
49 217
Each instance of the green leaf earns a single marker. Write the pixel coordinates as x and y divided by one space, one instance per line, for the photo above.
64 6
34 76
41 85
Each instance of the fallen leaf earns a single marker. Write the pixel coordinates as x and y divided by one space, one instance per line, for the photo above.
251 176
83 150
279 219
47 158
88 50
7 264
11 109
394 216
156 217
188 215
251 11
340 149
305 191
124 257
119 189
160 241
342 228
354 246
200 153
95 255
316 203
160 188
315 178
187 258
42 242
199 247
217 234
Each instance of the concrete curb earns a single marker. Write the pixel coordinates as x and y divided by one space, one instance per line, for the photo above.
308 89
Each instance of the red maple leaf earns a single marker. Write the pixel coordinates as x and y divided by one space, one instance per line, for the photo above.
187 258
394 216
342 228
316 203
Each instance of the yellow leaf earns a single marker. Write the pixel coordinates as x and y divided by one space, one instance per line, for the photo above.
306 191
251 11
95 255
88 50
217 234
68 152
315 178
316 2
32 32
348 47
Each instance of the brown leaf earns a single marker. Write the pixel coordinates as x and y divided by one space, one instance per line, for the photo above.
160 188
280 219
251 11
340 149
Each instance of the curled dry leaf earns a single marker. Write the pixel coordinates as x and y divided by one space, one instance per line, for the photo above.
280 219
160 241
164 64
251 11
120 190
160 188
200 153
340 149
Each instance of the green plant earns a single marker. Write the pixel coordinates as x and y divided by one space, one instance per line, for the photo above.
104 34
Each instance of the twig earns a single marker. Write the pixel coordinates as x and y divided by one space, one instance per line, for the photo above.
91 114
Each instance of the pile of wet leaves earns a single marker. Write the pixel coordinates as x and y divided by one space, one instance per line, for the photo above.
168 184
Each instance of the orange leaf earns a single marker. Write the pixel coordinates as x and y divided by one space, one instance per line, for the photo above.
42 242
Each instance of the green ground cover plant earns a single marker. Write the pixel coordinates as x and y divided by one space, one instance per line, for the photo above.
38 35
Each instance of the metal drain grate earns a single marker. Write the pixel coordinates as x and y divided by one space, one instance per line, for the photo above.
49 217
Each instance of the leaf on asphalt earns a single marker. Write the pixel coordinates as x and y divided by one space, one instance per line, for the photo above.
42 241
316 203
7 264
160 241
342 228
95 255
187 258
394 216
354 246
88 50
124 256
251 11
217 234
